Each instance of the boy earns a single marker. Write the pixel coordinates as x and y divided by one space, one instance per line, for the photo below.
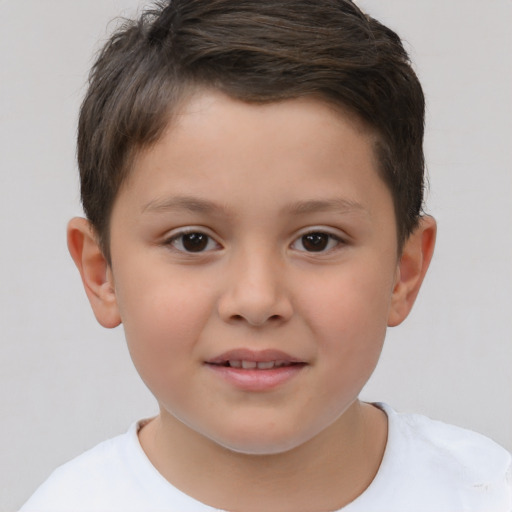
252 175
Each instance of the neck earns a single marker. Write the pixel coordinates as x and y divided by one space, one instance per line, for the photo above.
325 473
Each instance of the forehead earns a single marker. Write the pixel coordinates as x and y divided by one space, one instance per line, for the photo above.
202 106
215 146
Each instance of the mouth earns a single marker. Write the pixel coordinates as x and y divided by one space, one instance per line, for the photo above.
244 359
256 371
255 365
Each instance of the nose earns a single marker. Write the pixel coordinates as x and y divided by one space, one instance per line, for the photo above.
255 292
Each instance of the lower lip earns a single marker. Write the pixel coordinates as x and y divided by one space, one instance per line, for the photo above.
257 380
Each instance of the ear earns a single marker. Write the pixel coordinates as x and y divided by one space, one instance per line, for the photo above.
94 270
412 267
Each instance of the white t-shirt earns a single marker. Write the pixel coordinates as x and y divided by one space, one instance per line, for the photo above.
428 466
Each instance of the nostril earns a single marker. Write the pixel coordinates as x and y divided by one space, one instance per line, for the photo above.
255 309
253 320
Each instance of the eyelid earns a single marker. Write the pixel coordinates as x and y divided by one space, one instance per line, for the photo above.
187 230
340 238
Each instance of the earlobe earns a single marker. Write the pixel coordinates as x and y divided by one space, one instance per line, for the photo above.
94 270
414 262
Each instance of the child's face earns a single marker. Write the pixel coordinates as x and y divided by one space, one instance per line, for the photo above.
260 234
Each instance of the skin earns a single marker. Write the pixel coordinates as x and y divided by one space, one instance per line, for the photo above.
255 179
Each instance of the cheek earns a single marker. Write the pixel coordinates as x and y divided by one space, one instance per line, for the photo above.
350 304
163 320
347 314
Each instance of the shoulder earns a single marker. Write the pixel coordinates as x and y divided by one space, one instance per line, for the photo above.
115 476
455 446
447 464
81 479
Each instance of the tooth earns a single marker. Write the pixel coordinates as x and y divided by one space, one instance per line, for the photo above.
279 364
266 365
249 364
235 364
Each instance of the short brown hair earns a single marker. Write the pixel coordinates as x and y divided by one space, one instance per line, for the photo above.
254 51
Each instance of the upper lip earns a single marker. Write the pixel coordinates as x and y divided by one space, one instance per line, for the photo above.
257 356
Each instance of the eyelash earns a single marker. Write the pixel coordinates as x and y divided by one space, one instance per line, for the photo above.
175 239
204 241
319 233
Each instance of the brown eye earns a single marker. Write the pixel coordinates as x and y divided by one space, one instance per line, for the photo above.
193 242
316 241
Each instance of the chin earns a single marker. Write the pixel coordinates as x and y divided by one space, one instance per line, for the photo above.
260 449
258 443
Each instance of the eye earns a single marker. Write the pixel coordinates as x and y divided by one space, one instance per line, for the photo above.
316 241
193 241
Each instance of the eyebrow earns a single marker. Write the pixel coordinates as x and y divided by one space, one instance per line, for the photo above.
189 203
204 206
337 205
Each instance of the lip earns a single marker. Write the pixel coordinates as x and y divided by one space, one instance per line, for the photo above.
255 379
262 356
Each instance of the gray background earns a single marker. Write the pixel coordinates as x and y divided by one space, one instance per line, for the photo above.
66 383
